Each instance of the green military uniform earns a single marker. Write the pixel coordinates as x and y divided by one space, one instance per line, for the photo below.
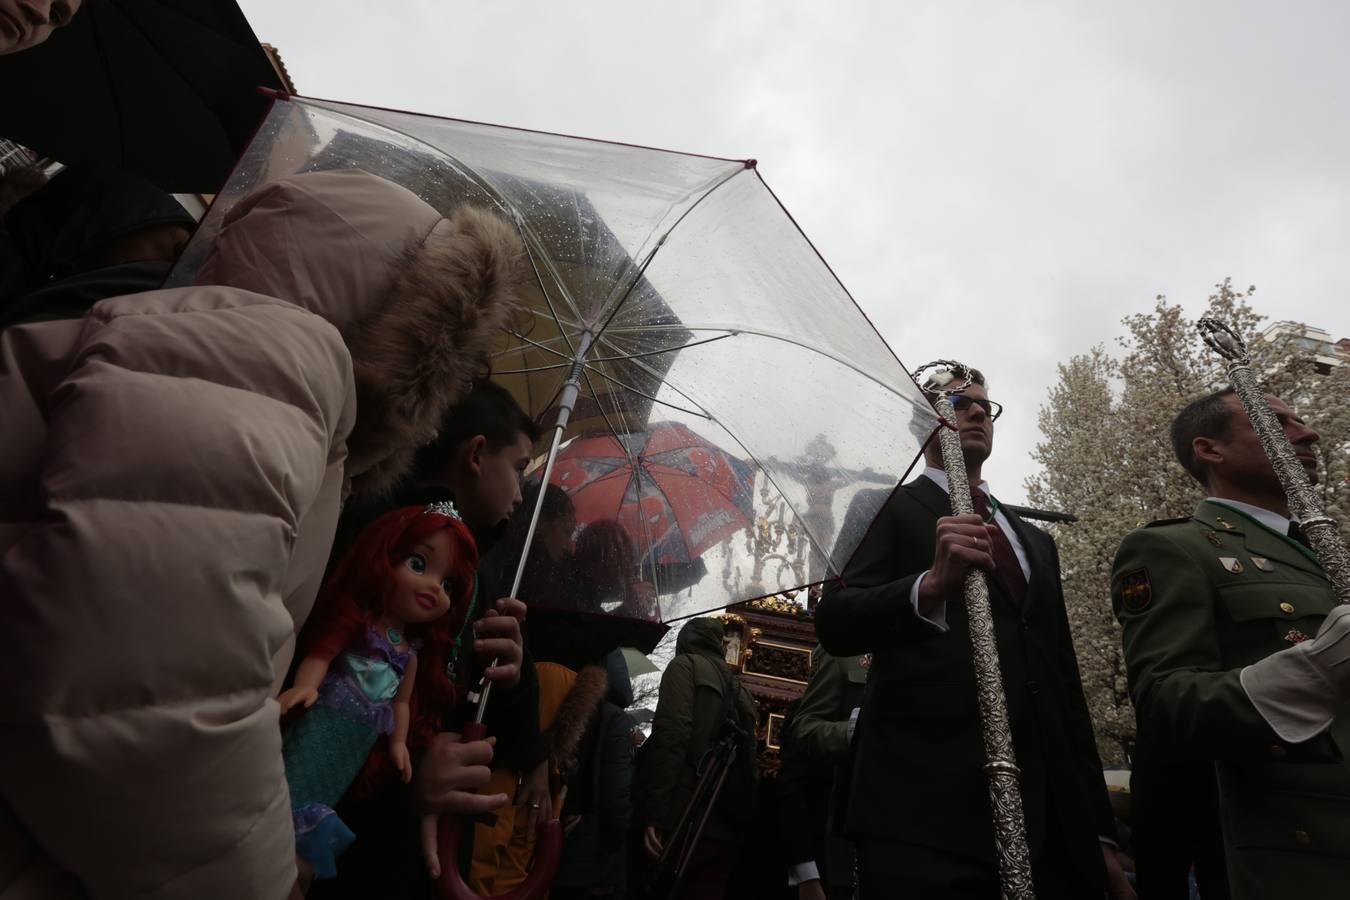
820 727
1199 599
813 780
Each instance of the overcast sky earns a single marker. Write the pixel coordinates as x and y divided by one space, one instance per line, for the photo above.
998 183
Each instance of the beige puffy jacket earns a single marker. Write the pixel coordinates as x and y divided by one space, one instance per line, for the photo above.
171 470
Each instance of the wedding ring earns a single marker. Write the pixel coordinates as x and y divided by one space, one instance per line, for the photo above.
534 806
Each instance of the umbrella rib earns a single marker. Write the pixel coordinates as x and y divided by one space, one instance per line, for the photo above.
750 455
556 319
572 350
542 345
634 469
102 48
669 471
561 365
626 356
532 241
537 345
787 340
661 242
628 387
605 415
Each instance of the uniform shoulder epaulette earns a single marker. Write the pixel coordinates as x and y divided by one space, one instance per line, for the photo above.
1160 522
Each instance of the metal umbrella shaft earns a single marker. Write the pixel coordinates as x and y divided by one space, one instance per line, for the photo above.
549 840
1321 529
1005 789
567 400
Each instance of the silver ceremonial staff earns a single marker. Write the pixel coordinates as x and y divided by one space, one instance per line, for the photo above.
1320 528
938 379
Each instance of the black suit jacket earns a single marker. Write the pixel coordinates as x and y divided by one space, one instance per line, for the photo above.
918 768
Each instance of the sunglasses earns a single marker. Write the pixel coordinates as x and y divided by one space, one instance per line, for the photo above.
992 410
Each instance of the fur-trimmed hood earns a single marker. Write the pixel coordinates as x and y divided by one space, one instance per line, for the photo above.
418 298
574 714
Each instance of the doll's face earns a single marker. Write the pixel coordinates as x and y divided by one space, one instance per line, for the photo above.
421 582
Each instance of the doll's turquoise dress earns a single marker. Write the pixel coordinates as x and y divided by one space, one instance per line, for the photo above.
325 749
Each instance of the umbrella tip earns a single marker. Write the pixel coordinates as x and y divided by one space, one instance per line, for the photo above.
751 163
273 93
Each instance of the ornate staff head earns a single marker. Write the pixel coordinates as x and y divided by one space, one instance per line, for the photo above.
943 376
1223 340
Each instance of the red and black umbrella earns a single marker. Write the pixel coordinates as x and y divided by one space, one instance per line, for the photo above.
674 492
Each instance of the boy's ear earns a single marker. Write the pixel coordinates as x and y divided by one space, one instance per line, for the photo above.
474 451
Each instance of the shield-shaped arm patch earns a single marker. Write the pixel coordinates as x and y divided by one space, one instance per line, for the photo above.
1135 590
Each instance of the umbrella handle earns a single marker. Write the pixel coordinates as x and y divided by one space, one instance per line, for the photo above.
548 850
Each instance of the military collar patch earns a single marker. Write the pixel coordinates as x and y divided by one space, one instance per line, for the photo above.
1231 564
1136 593
1262 563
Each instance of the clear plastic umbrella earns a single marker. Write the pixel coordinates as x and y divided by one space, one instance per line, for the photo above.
667 287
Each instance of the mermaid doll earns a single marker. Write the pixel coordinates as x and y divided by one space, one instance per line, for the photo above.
378 661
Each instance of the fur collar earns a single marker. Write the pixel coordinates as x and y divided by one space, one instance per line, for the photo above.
575 714
415 357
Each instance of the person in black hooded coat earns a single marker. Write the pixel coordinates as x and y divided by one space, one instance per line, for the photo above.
600 795
89 234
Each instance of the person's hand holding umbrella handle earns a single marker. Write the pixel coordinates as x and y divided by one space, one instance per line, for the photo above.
498 642
441 839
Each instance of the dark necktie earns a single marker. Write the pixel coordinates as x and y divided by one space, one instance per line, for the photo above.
1296 533
1007 570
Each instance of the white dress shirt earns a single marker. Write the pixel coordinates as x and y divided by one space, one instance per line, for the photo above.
1272 520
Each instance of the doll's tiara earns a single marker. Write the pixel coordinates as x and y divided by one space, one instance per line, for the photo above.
444 508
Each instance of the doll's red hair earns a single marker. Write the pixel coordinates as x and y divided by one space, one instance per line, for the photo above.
352 599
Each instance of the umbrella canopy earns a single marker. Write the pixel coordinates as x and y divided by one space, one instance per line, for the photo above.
673 491
670 291
163 88
637 662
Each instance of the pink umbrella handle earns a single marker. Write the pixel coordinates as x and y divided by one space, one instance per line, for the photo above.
548 851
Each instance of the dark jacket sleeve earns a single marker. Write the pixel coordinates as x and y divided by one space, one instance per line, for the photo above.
1077 718
663 760
869 609
803 801
615 803
818 731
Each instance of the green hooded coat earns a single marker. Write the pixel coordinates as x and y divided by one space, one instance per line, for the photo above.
689 718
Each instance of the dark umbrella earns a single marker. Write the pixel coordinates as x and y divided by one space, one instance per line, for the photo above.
164 88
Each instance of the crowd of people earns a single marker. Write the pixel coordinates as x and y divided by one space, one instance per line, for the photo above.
258 550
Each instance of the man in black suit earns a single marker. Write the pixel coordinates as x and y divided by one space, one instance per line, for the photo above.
920 807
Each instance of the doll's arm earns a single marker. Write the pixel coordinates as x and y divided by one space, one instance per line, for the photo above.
398 741
308 676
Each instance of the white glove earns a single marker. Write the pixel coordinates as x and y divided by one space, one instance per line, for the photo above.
1297 691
